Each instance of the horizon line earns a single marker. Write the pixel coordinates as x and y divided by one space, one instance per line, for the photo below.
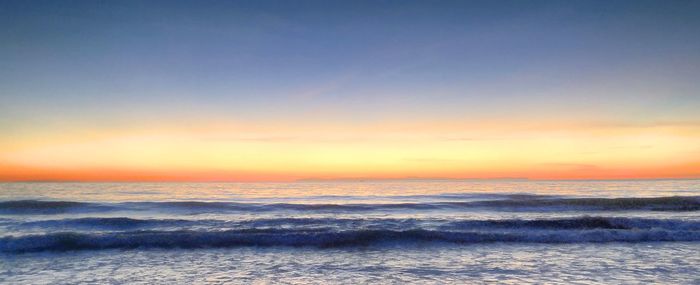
351 180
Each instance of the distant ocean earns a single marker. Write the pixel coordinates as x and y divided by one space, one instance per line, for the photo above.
587 232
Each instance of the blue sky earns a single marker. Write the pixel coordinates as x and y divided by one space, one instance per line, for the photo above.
358 56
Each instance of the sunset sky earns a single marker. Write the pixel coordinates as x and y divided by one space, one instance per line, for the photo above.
287 90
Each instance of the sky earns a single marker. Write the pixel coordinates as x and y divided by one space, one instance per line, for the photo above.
288 90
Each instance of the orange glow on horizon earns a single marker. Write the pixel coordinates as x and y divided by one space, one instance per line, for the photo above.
269 152
12 173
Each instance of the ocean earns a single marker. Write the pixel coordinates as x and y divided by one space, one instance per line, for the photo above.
379 232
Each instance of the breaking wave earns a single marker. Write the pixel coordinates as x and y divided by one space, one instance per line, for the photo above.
49 207
320 238
574 223
128 233
509 203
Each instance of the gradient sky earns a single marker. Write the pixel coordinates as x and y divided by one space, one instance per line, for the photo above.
286 90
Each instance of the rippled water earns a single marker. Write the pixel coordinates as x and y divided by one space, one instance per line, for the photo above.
589 232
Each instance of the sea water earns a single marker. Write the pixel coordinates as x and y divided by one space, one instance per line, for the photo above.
585 232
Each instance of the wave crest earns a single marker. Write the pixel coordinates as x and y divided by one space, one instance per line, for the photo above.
573 223
322 239
519 203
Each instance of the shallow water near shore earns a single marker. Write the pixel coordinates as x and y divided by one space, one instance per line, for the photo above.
611 263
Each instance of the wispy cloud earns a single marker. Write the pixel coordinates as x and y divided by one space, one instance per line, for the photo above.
571 166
